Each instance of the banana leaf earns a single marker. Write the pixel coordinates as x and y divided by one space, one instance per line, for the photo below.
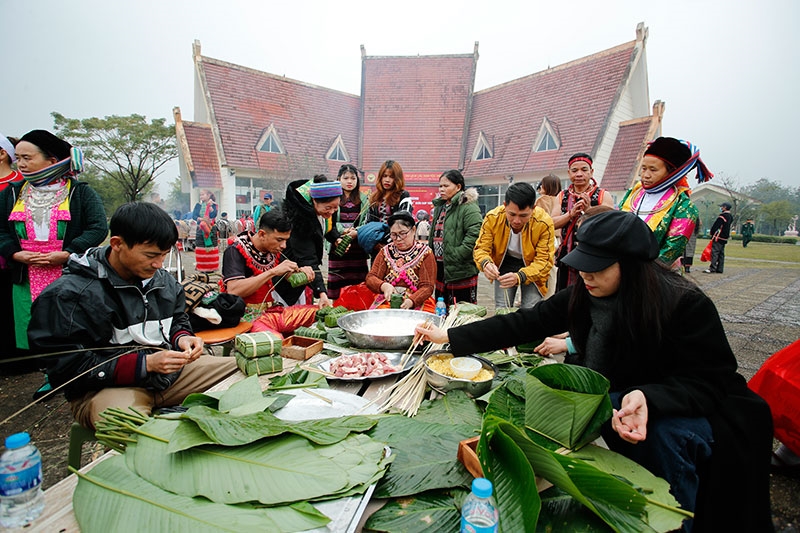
617 503
566 403
433 512
274 471
513 478
425 447
221 428
112 498
453 408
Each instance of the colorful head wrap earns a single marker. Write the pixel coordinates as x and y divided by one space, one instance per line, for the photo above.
580 157
70 166
683 156
325 189
6 145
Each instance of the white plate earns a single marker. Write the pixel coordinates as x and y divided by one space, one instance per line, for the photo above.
392 357
305 406
345 513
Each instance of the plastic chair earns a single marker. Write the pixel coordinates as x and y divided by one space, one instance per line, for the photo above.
77 436
223 337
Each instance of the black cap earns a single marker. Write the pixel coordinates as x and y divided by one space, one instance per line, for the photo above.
726 205
608 237
48 143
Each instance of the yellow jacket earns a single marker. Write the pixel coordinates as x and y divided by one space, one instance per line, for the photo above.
538 245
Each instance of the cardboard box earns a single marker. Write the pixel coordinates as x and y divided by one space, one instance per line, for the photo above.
300 348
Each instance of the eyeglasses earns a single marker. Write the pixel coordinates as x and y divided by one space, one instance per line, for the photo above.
399 236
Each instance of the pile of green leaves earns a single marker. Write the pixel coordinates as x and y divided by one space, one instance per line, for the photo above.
563 406
228 464
426 482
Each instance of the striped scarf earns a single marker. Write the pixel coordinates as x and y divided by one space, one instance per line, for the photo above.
70 166
679 174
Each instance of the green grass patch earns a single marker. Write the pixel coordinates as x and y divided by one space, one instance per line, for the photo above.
755 250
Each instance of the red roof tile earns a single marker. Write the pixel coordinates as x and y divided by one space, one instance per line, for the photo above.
415 110
622 167
307 119
203 153
576 98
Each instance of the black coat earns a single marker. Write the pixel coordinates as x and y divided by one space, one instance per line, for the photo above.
691 373
305 244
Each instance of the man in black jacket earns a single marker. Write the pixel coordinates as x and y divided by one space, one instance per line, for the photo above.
121 319
720 231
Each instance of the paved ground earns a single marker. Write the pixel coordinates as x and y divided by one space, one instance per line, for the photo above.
759 303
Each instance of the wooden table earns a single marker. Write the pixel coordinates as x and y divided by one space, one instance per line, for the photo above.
58 516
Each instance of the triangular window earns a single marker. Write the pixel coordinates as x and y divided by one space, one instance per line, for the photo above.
547 139
337 151
482 150
270 142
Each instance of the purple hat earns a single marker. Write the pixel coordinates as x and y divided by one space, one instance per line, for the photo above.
325 189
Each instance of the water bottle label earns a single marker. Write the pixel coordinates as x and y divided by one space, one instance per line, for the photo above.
478 524
17 482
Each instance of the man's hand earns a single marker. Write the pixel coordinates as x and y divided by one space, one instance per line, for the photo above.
309 271
630 422
193 346
283 268
508 280
490 271
166 361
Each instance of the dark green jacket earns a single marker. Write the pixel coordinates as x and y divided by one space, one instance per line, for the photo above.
87 226
462 225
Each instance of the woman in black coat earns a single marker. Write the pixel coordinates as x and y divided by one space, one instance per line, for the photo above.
306 202
681 409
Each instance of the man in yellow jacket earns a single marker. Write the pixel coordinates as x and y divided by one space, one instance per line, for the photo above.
515 248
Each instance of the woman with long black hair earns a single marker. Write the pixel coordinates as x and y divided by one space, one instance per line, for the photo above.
350 266
681 409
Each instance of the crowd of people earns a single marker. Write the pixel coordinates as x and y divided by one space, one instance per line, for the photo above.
607 289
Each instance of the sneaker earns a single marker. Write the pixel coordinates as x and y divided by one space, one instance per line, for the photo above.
708 271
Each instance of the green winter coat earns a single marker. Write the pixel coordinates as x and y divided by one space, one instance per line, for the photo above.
462 225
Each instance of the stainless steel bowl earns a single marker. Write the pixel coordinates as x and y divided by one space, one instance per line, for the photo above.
383 329
446 383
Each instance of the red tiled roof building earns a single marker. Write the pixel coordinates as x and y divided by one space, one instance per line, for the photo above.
254 131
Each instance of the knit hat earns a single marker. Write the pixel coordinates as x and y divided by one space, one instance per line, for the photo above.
325 189
670 150
48 143
6 145
608 237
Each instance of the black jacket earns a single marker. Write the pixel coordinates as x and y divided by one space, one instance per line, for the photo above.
305 244
690 373
91 307
723 224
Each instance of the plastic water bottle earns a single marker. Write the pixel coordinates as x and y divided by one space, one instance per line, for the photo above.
479 512
21 497
441 308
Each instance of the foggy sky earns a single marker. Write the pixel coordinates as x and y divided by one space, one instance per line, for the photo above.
727 71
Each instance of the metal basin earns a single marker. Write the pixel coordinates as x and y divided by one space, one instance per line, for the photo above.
383 329
446 383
